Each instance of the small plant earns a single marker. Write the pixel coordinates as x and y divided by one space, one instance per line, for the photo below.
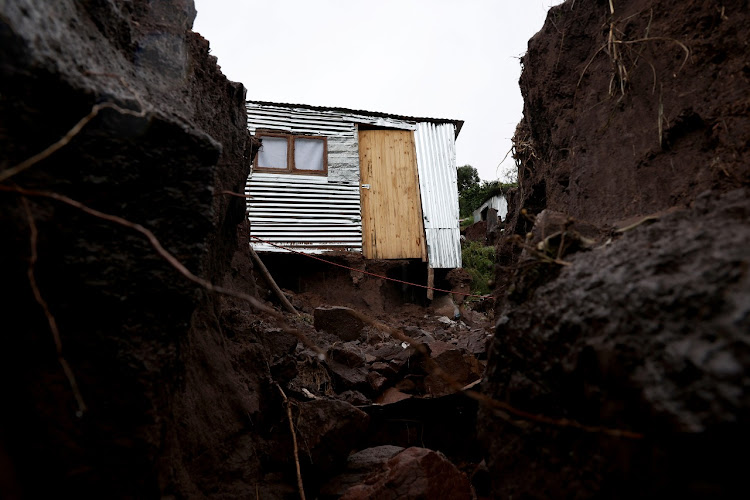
468 221
479 262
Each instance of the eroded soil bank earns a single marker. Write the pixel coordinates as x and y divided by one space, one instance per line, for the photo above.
627 305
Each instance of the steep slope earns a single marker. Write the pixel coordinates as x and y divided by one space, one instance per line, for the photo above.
166 403
628 308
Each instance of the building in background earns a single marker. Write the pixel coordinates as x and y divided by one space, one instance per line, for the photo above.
341 179
496 202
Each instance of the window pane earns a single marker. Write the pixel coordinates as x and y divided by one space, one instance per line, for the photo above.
308 154
272 152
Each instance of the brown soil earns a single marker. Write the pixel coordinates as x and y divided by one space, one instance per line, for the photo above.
646 122
633 174
476 232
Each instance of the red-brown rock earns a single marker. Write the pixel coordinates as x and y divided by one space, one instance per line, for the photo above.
415 473
461 367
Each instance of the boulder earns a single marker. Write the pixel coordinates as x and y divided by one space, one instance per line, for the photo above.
346 363
327 431
339 321
392 395
358 466
415 473
476 342
461 367
444 306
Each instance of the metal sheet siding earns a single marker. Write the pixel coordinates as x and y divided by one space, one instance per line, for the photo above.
297 121
303 212
306 121
438 186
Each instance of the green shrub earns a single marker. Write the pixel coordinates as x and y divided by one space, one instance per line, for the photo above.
468 221
479 262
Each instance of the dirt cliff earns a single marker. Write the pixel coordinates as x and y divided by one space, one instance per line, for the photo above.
625 294
150 399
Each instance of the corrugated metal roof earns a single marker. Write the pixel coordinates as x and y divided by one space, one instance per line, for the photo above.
438 186
456 123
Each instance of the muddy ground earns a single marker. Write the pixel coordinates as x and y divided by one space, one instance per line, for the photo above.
611 363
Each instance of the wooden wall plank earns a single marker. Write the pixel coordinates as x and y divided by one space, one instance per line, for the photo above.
391 208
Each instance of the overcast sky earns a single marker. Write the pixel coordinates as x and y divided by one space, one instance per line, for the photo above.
433 58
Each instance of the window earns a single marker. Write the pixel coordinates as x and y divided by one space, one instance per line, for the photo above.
292 154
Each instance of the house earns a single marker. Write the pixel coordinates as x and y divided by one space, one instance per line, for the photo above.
496 202
341 179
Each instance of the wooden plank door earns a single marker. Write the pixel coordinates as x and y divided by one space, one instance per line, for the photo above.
392 226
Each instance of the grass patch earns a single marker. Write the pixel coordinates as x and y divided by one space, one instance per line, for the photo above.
467 222
479 262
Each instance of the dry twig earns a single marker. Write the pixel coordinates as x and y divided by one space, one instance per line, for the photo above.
232 193
171 259
300 485
64 140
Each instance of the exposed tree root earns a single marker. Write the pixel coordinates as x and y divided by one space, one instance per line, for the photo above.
33 235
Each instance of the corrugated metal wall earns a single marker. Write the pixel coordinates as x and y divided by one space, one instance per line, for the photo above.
438 185
303 212
498 202
343 151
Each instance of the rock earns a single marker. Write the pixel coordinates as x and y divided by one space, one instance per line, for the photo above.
472 318
388 351
446 321
347 369
406 385
650 334
376 381
393 359
164 388
346 378
444 306
358 466
339 321
278 342
476 342
461 367
346 363
349 354
354 398
415 473
327 430
381 366
391 395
